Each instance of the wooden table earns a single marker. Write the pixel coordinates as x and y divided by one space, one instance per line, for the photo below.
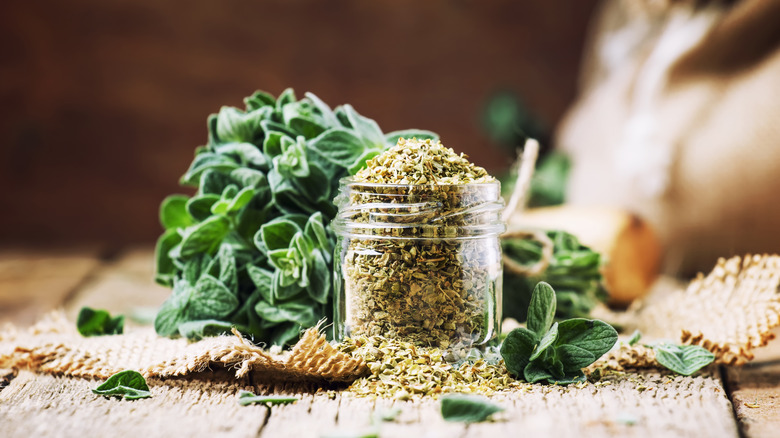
724 403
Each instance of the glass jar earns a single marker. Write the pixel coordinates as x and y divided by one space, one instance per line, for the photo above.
420 263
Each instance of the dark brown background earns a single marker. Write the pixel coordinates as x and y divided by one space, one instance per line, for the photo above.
103 102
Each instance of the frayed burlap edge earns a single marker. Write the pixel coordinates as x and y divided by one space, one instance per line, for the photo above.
730 311
53 346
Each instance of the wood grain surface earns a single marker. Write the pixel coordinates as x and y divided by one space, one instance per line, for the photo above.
650 403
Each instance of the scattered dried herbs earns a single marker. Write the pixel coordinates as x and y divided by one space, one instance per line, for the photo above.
402 370
420 258
553 352
252 248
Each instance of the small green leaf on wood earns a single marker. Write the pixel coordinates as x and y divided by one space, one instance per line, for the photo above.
467 408
246 398
683 359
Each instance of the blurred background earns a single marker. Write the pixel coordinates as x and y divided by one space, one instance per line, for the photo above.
665 110
103 103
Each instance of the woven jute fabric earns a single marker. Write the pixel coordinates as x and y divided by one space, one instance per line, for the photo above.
730 311
54 346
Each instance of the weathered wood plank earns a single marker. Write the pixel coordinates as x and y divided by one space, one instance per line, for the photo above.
48 406
33 282
645 404
755 392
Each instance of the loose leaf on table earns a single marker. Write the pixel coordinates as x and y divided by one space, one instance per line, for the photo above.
92 322
128 384
683 359
467 408
246 398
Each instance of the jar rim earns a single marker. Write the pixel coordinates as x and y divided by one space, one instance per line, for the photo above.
350 181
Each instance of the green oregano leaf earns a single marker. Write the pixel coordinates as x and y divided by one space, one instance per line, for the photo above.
517 349
683 359
128 384
592 335
204 237
196 330
541 310
92 322
546 341
173 212
635 337
558 354
339 146
246 398
467 408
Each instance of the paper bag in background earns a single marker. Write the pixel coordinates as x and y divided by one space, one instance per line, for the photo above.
678 120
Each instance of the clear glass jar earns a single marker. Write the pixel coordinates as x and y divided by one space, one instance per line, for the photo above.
421 263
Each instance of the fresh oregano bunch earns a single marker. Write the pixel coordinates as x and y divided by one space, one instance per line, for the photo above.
252 248
554 352
573 271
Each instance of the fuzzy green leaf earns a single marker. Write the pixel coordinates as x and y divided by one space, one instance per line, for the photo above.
246 398
197 330
536 372
276 234
591 335
517 349
165 268
683 359
207 161
234 125
366 128
92 322
259 100
466 408
204 237
210 299
128 384
339 146
173 212
541 311
546 341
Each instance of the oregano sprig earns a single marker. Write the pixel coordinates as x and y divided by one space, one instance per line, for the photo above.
554 352
252 247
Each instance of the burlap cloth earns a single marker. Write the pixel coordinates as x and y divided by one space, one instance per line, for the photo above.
54 346
730 311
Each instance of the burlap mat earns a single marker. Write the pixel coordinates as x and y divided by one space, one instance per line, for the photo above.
54 346
730 312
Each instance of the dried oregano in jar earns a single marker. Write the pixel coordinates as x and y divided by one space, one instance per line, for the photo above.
418 256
